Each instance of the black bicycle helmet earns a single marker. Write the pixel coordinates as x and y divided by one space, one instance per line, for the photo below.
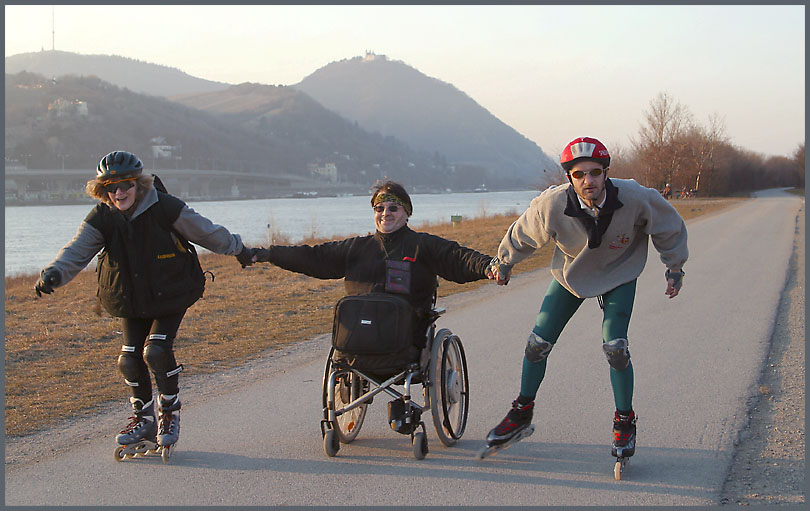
118 165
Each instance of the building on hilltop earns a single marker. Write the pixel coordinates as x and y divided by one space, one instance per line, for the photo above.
371 56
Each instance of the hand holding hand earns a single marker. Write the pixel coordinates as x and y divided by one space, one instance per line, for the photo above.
245 257
261 255
499 272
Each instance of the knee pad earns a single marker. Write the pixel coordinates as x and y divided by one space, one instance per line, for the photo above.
617 353
537 349
131 366
160 360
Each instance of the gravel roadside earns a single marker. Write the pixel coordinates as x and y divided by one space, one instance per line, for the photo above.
769 460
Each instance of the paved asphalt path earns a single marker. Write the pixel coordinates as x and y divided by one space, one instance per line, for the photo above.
255 439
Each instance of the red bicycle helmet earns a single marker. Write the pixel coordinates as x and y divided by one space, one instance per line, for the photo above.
584 148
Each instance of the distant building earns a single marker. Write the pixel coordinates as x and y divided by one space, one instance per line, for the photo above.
371 56
327 170
29 86
160 149
64 108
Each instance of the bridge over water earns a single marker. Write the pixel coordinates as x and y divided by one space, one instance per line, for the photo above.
59 185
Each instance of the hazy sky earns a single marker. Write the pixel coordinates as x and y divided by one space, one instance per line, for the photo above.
551 72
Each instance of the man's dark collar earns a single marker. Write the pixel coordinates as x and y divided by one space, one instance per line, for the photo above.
612 202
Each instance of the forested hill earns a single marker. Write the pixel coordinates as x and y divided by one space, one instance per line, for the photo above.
72 121
368 117
291 121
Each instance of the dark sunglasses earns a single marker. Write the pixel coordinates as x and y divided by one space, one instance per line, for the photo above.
393 208
579 174
124 185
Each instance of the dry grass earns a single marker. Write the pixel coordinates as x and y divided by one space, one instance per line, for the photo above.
61 354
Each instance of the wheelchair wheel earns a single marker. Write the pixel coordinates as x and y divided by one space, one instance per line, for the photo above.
449 387
348 387
420 446
331 445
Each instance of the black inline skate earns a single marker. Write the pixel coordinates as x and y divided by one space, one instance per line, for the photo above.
139 437
624 440
168 425
514 427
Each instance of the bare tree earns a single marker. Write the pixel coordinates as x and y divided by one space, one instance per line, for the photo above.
660 143
798 158
705 142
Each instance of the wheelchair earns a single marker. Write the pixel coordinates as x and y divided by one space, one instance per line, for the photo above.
442 371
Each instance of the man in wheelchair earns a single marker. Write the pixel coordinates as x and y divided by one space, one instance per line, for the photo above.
390 278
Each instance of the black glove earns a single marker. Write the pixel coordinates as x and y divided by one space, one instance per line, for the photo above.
263 255
677 276
49 279
245 257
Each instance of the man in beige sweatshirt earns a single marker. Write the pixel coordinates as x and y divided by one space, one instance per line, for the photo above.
600 228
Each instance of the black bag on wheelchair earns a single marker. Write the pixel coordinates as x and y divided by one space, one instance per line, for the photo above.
373 324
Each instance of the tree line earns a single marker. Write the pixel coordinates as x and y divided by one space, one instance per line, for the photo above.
672 148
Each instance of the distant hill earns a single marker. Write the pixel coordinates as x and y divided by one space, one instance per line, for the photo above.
137 76
397 100
73 121
85 117
378 118
293 121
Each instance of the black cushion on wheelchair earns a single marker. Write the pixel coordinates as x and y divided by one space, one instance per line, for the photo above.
383 364
373 324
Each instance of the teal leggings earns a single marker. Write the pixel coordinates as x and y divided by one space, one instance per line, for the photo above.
559 305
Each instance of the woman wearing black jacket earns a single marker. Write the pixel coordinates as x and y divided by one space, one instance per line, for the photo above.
148 274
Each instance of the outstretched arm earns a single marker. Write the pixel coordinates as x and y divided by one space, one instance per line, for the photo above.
323 261
202 231
71 259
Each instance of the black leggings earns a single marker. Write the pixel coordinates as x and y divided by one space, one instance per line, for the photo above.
148 346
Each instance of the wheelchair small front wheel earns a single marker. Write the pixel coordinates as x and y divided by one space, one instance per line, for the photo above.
449 387
331 444
420 445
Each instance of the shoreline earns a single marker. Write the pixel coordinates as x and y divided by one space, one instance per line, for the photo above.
302 193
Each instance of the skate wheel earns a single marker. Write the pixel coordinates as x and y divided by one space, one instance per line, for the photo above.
420 446
618 468
165 454
483 452
119 453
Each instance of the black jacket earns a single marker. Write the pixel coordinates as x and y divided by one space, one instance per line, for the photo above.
145 270
361 261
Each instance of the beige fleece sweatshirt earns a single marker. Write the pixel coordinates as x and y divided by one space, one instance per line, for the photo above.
622 254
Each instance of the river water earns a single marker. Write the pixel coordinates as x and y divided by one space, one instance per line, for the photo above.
35 234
